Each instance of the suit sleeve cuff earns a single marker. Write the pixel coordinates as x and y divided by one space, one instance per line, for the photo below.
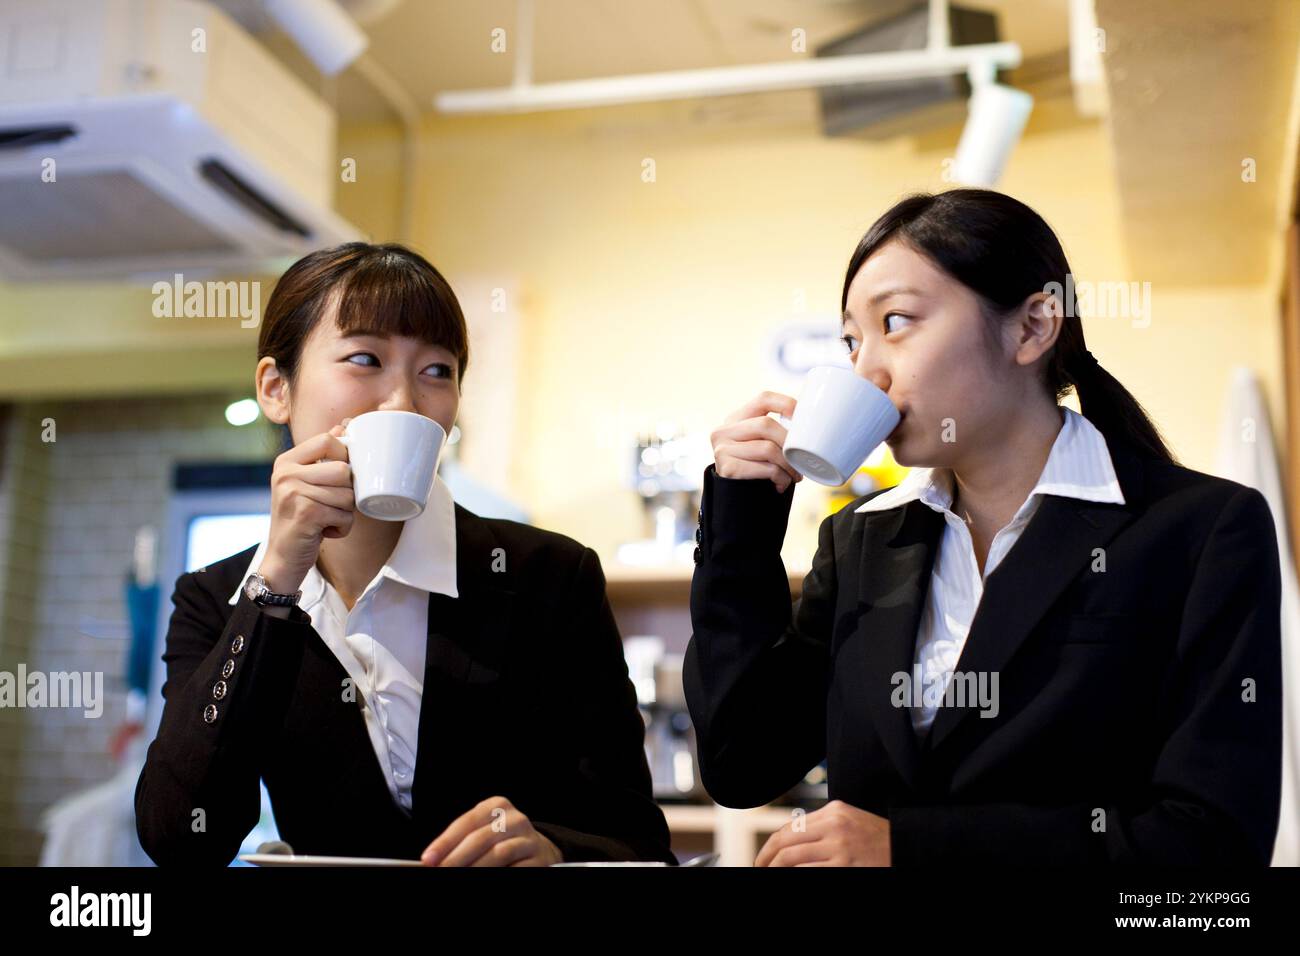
742 513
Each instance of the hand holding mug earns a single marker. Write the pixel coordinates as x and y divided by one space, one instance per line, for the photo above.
311 499
748 444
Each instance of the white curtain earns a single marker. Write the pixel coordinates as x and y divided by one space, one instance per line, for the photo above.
1247 455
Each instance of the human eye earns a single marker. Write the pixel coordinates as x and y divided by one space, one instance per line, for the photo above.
850 343
443 369
369 355
894 315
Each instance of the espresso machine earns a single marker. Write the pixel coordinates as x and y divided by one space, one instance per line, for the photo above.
669 736
666 470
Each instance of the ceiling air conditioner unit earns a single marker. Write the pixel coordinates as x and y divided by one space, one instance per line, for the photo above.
884 110
142 137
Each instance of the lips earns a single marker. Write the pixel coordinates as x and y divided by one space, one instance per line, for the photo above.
897 428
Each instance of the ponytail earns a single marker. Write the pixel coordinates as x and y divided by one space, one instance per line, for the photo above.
1110 406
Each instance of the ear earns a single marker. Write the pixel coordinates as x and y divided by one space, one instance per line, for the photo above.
272 391
1037 326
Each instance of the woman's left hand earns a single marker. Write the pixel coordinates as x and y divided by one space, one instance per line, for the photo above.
493 833
836 835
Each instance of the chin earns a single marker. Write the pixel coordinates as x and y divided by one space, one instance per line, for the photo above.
909 455
899 450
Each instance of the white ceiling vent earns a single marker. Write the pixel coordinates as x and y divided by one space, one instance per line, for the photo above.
148 136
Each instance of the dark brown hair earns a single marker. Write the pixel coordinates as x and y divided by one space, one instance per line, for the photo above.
385 289
1004 252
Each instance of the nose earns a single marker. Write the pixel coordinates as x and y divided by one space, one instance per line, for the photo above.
870 368
401 396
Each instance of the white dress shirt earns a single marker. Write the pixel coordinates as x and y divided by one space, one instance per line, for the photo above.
381 642
1078 466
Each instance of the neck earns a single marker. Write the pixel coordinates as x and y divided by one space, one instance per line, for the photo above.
351 562
991 483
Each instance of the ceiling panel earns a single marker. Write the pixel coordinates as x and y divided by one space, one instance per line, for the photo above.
435 45
1196 88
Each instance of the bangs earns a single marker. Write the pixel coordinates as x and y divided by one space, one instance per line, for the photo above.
386 295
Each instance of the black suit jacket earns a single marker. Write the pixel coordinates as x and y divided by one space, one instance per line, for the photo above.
526 696
1140 710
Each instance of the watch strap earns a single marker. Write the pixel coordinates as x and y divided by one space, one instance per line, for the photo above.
261 594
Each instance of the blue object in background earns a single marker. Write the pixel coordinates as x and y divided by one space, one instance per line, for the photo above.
142 608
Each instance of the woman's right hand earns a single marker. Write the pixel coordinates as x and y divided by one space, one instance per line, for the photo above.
748 444
311 499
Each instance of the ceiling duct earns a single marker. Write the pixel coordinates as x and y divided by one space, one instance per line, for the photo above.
867 109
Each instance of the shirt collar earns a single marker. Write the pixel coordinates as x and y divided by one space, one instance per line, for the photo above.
424 558
1078 466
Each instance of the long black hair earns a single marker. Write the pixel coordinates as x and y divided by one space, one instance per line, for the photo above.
1004 252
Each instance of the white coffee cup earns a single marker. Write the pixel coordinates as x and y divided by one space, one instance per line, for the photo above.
839 419
394 458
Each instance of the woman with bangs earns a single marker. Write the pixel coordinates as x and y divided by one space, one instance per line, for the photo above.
450 688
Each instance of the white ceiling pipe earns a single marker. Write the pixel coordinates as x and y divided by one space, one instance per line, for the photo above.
730 80
937 38
322 30
997 117
524 43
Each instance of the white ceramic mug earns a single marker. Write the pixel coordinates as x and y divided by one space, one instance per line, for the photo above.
394 458
839 419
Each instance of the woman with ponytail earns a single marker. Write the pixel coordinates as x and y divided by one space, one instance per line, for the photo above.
1049 644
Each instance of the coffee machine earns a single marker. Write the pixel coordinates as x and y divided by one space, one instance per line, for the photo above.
669 736
666 470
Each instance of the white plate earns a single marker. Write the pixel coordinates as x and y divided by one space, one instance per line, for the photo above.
282 859
611 863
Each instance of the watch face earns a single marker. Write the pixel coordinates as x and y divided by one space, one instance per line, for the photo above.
253 585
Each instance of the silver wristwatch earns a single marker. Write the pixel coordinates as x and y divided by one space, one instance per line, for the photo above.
257 591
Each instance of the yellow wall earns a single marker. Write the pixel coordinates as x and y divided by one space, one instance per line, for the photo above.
648 301
654 300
